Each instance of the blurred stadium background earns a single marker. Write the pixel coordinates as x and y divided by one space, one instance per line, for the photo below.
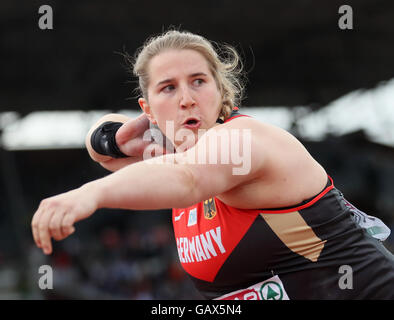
332 88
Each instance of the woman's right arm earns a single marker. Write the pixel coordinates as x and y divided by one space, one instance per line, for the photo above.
129 139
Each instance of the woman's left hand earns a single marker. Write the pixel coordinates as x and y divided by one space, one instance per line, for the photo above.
55 216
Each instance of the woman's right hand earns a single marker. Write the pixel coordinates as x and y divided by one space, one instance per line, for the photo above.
129 139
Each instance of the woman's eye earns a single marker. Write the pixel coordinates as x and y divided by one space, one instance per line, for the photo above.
198 82
168 88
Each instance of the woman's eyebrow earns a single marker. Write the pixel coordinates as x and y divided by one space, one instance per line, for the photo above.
196 74
164 81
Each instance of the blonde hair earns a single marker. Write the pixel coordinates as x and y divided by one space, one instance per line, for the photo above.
224 63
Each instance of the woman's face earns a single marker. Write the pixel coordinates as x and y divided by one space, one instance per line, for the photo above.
183 90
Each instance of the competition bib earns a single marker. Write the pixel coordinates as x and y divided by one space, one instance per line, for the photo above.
270 289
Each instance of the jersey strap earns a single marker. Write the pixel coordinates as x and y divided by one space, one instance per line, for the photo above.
234 114
305 204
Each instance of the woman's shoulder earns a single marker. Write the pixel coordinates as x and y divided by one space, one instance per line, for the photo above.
287 166
263 130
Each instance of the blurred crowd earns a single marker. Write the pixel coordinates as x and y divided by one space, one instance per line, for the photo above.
133 265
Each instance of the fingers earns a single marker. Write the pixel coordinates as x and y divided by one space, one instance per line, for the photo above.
44 237
55 226
49 222
34 227
56 216
67 225
134 147
130 140
132 129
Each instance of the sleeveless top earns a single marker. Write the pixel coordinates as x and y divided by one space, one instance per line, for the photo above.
313 250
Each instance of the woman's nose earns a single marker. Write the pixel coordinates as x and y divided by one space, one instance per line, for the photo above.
187 99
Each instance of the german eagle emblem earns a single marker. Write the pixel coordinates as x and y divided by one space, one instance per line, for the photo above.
209 208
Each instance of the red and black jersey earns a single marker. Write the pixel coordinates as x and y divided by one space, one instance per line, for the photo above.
304 249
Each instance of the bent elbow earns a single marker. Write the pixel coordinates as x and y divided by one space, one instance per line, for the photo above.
191 191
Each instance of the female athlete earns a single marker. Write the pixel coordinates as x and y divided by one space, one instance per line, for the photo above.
255 216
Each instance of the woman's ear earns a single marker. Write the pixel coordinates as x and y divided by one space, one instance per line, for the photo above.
147 110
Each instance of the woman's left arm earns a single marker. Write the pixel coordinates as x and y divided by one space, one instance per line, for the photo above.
224 157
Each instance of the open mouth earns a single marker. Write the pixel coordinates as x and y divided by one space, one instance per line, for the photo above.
192 123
